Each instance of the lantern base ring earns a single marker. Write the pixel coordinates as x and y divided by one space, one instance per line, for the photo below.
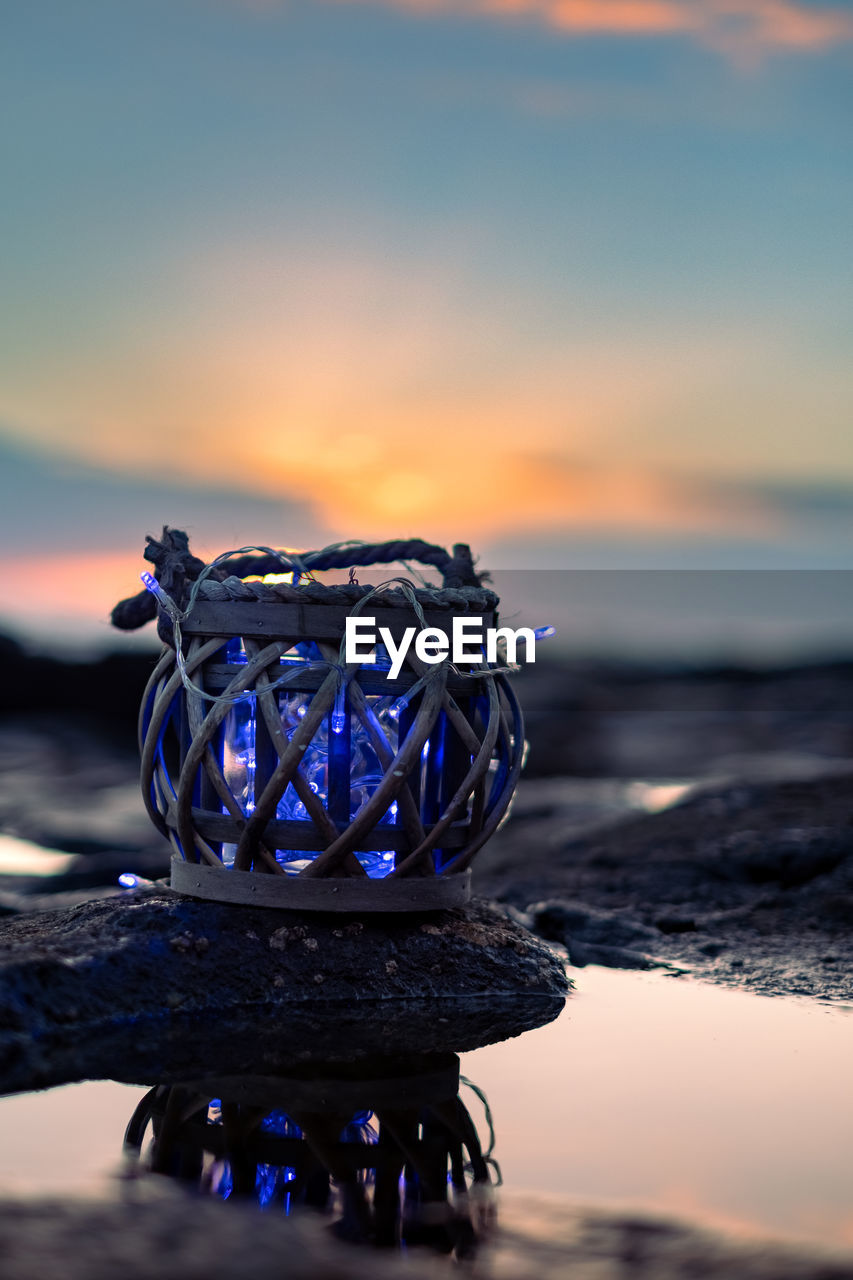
301 893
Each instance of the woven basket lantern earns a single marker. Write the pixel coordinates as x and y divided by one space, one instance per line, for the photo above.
284 776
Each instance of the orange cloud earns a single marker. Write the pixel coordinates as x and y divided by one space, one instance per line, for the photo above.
741 29
619 17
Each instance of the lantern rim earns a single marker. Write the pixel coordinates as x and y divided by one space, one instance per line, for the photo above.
308 893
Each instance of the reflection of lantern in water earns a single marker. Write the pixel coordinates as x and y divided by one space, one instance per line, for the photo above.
396 1160
265 751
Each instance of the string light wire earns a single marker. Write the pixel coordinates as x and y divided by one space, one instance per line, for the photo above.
294 563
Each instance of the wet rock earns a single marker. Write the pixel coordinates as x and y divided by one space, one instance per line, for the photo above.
594 937
789 857
153 982
748 883
156 1230
560 919
675 924
583 953
271 1039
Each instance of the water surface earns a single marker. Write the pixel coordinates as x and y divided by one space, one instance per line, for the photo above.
650 1091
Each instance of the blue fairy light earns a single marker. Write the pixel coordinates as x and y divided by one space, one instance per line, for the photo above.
365 770
377 864
151 583
339 715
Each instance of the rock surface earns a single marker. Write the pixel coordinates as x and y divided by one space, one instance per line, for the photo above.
159 1231
151 985
749 883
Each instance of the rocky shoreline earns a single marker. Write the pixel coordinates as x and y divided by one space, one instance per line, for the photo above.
694 818
697 818
748 884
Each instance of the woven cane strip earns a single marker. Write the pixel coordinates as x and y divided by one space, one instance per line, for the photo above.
478 771
394 780
267 802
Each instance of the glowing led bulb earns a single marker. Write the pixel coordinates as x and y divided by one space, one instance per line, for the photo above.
128 880
339 715
156 590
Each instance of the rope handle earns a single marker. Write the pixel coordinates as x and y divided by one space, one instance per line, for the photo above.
176 567
351 555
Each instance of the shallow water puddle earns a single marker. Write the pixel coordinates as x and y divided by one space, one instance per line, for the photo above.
707 1103
649 1091
23 858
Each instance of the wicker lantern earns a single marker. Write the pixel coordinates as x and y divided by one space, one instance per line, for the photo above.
383 1155
285 776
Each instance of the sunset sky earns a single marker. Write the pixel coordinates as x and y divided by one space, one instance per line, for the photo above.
569 279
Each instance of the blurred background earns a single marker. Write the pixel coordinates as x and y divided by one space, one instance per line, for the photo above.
566 279
569 280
